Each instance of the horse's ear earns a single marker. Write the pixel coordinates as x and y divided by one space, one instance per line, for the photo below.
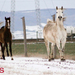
5 18
9 17
62 8
56 8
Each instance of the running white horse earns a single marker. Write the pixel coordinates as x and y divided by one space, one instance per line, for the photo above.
55 33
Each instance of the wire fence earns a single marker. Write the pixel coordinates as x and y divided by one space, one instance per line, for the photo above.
38 49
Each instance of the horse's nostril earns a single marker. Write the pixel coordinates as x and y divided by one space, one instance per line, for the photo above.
59 16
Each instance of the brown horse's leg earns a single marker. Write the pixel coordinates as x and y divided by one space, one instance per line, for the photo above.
3 48
0 51
10 48
7 49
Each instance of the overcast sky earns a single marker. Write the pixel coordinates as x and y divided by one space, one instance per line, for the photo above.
5 5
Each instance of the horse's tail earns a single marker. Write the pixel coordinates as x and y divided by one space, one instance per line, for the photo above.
49 21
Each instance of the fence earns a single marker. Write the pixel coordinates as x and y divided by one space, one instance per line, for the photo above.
33 47
36 48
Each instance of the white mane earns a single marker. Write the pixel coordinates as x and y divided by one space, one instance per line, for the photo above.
49 21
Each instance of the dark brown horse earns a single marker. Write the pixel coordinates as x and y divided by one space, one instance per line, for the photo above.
6 38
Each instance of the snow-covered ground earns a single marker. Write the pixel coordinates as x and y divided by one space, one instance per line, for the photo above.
31 31
36 66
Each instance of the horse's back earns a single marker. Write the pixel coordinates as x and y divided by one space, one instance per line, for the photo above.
1 30
49 27
1 34
49 32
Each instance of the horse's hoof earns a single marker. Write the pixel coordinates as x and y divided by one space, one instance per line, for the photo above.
62 59
52 58
49 59
12 59
3 58
7 55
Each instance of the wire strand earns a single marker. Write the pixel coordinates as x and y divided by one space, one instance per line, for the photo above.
3 5
47 7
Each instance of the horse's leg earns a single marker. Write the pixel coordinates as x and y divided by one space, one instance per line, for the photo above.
52 51
48 49
7 49
0 51
3 48
10 50
62 52
59 47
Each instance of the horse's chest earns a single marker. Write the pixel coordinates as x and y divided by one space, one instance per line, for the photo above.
7 36
61 34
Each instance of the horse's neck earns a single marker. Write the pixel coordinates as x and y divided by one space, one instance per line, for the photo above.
59 23
7 30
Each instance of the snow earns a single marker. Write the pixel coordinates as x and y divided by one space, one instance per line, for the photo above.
36 66
31 28
70 29
31 31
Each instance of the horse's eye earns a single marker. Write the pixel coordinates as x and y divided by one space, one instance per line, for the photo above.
62 11
56 12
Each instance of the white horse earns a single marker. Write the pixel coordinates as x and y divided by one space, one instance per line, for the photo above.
55 33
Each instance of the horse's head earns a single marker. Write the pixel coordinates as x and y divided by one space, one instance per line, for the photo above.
7 21
59 13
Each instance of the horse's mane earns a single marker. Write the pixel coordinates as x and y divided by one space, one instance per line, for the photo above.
2 27
49 21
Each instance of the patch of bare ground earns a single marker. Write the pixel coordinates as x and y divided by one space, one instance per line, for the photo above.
33 55
44 56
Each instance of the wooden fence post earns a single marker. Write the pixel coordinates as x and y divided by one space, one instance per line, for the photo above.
24 31
55 52
71 34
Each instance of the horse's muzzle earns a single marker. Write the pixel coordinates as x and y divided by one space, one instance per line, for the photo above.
60 17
